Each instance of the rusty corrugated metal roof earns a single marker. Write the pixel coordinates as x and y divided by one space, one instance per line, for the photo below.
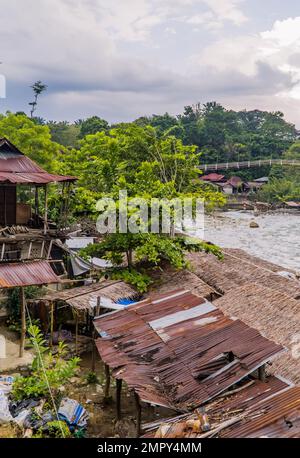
27 274
278 416
226 407
15 167
179 350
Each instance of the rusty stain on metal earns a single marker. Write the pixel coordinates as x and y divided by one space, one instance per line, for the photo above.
183 364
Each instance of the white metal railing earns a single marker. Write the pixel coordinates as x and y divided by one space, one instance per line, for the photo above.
248 164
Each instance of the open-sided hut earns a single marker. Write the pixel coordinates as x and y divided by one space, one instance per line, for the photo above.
24 231
84 302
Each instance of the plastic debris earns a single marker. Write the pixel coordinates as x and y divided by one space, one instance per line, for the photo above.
19 406
73 413
35 423
6 383
5 415
5 388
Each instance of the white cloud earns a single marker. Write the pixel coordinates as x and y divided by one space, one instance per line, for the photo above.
277 48
134 20
111 57
227 10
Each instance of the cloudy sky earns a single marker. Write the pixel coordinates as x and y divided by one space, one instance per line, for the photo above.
121 59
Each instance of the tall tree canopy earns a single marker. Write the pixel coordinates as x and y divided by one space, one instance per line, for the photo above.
31 138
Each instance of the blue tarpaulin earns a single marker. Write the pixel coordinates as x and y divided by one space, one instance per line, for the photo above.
124 301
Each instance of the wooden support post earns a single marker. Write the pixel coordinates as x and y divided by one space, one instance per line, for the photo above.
42 249
2 251
138 414
262 373
46 210
60 223
23 321
118 397
29 250
93 348
5 209
36 204
76 333
51 324
49 249
107 382
97 312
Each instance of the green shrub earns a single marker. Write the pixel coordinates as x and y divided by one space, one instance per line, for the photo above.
92 378
47 370
58 429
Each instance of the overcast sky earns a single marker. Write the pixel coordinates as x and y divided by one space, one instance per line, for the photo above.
120 59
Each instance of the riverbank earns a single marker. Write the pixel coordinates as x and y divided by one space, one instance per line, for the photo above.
277 239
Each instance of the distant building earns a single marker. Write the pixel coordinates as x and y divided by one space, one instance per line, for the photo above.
213 178
233 185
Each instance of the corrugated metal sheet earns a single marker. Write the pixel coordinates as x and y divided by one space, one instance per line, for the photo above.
186 363
33 178
278 416
27 274
221 409
16 168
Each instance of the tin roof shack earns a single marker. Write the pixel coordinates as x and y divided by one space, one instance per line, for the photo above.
233 185
263 409
26 274
24 234
179 351
81 304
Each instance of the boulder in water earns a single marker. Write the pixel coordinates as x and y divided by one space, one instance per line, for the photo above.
253 224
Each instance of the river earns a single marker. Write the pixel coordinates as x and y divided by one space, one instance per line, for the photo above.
277 239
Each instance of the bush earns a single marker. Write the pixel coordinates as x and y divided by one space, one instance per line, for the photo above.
58 429
47 370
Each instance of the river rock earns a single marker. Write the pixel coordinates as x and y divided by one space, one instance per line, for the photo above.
253 224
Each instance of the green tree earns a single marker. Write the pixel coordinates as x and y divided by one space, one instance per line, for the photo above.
64 133
32 139
38 88
92 125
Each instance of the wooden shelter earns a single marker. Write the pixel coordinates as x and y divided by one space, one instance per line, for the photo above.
21 226
179 351
26 274
85 302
